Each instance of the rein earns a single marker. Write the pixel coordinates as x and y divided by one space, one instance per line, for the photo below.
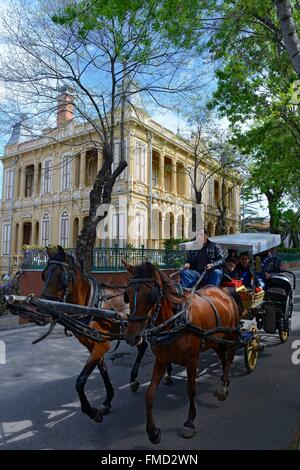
158 334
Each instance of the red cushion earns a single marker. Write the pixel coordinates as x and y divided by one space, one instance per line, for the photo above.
233 283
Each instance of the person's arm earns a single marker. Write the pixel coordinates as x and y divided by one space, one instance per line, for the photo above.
220 256
276 268
188 260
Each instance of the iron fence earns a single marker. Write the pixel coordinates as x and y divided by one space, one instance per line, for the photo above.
110 259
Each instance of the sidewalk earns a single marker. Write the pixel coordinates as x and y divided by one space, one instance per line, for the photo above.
11 322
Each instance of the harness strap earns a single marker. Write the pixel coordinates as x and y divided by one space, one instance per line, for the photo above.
96 291
217 315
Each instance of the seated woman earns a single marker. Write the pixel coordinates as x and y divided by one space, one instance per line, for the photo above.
244 271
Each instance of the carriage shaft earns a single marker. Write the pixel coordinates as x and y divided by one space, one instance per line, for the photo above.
62 307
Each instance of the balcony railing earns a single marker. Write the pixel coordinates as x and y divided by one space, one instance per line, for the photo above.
109 259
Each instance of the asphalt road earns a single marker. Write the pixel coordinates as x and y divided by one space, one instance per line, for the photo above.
39 408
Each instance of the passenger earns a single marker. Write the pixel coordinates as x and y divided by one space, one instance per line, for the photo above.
244 271
271 264
210 258
229 268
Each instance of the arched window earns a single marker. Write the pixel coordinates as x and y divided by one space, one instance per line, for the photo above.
45 234
64 230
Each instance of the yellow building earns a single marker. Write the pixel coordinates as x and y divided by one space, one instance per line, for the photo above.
47 181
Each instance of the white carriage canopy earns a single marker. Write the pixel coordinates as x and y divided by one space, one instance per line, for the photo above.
252 242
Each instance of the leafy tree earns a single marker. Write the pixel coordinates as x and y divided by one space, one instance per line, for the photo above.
290 227
105 52
254 92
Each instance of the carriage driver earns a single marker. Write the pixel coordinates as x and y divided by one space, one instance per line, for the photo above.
210 258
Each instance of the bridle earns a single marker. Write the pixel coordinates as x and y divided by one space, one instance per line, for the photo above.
68 276
155 298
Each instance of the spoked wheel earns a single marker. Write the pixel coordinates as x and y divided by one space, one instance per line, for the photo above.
251 351
284 328
283 335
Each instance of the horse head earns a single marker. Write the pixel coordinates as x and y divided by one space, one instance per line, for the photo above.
147 289
59 275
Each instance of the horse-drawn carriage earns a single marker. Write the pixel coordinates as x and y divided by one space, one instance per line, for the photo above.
270 309
179 325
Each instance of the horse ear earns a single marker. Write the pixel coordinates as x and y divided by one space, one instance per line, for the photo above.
50 251
61 251
129 267
158 278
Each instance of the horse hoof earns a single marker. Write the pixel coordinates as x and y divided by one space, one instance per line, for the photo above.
134 386
187 432
98 416
221 393
155 436
168 380
105 410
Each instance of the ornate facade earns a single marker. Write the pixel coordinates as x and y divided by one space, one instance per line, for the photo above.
47 182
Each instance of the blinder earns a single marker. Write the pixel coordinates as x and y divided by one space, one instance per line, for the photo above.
67 275
155 295
126 297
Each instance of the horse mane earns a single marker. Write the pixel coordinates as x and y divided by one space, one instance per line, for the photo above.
148 270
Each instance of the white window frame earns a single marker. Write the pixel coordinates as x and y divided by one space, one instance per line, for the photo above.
6 239
118 227
8 184
45 232
66 168
116 160
64 229
140 158
47 182
155 173
140 225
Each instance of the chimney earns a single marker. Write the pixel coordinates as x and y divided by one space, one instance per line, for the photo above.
65 105
18 133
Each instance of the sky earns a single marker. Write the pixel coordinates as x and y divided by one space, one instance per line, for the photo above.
3 139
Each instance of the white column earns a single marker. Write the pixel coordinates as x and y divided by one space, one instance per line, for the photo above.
161 175
82 174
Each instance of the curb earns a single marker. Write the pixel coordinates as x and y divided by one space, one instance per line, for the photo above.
16 327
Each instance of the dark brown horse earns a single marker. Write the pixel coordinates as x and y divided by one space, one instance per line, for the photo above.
153 301
64 281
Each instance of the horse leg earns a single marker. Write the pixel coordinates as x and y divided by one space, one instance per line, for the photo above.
86 408
168 376
134 383
188 429
108 386
157 373
226 356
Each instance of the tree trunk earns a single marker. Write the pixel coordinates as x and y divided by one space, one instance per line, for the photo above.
100 194
221 226
289 32
198 200
274 213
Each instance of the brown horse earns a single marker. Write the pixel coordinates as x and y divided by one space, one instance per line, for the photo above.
153 300
64 281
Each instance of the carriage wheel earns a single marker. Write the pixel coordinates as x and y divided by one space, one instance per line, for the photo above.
284 330
283 335
251 352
